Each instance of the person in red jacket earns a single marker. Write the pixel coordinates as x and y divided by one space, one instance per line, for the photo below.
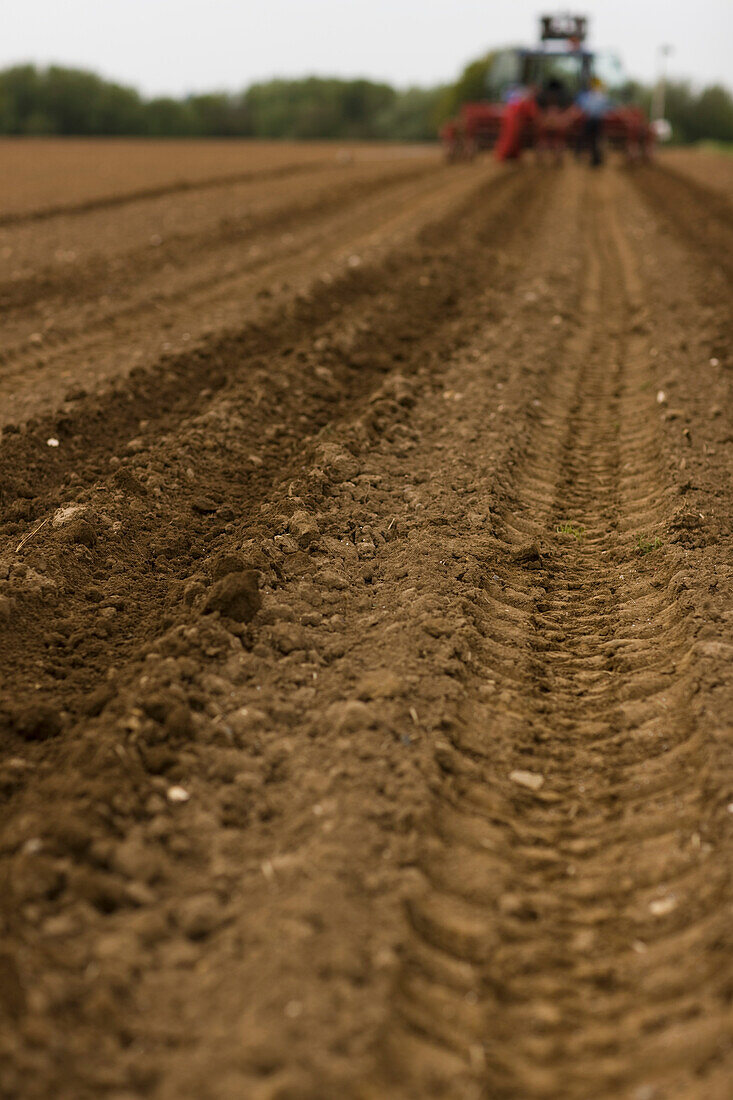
521 112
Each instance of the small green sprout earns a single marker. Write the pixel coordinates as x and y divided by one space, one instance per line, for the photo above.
570 529
646 545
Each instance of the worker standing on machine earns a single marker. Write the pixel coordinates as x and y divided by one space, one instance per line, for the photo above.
594 104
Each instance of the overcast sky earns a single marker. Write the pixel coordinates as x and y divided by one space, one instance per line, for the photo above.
178 46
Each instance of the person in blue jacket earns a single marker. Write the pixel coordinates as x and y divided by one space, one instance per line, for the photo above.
594 105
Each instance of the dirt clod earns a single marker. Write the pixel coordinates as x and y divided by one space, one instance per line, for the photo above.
38 722
528 555
199 916
303 528
80 531
236 596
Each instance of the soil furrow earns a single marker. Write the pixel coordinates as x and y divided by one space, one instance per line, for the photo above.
95 426
178 187
260 432
703 218
103 275
202 300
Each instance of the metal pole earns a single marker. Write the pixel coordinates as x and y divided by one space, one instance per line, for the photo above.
660 91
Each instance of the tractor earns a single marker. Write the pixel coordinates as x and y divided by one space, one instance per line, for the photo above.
531 99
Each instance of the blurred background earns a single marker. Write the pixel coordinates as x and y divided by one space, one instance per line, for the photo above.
333 69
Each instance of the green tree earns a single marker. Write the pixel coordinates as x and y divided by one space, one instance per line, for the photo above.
714 114
20 98
680 110
413 116
471 85
167 117
212 114
316 107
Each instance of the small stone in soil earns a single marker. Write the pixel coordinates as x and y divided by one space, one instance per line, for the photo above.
178 794
531 780
660 907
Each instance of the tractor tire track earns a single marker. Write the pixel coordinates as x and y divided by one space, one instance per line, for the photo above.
565 864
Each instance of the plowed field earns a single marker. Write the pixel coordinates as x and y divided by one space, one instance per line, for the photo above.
366 704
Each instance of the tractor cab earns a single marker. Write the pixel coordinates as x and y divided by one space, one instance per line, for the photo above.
559 68
557 77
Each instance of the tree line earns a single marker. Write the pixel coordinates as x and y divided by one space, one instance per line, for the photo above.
63 101
56 100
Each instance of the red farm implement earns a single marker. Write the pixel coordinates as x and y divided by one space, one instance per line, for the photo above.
534 99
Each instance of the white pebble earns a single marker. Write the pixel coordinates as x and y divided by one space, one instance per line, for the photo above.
178 794
660 907
531 780
661 397
52 442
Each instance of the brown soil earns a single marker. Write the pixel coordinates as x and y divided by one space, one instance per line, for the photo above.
365 606
42 176
710 169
